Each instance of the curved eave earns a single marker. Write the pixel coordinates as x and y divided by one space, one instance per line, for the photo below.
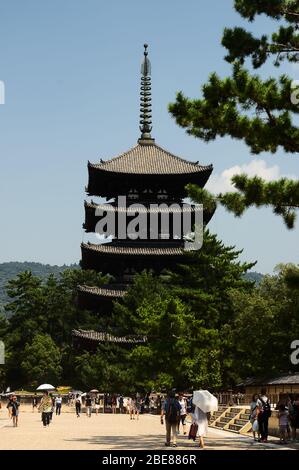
91 218
109 249
105 183
102 291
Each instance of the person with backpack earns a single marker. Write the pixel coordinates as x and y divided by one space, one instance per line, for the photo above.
264 413
171 411
13 410
78 403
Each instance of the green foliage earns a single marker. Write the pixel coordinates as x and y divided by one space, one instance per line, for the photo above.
47 307
183 314
41 361
107 369
245 107
206 325
292 277
284 43
10 270
282 195
266 323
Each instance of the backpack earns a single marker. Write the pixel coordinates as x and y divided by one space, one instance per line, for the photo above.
266 408
172 411
189 405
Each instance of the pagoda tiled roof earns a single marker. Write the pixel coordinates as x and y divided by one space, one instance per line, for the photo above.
160 207
108 248
103 337
102 291
149 159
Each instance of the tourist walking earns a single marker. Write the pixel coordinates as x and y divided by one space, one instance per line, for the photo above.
88 404
158 404
121 404
13 410
138 407
283 419
46 407
78 404
113 403
53 406
171 412
264 413
96 405
294 416
58 404
132 407
34 402
183 413
254 409
200 420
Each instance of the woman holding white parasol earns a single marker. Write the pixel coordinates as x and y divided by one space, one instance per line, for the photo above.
203 402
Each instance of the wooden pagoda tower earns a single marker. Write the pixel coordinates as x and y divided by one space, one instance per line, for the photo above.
147 175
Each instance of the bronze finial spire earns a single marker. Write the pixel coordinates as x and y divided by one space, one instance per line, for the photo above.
145 99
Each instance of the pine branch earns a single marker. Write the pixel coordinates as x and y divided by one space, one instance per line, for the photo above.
282 195
225 109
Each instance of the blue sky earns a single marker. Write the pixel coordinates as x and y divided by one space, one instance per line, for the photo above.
71 74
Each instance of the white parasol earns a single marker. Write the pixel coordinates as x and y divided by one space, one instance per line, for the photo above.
46 387
205 401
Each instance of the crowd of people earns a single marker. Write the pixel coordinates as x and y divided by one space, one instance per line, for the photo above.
175 410
288 416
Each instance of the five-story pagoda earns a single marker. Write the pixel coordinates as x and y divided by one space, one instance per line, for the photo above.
151 182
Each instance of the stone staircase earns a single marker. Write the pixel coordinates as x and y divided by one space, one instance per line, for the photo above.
232 418
217 414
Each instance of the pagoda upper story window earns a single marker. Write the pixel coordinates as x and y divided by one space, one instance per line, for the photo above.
162 194
133 194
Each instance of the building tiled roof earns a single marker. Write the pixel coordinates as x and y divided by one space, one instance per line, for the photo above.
161 208
285 379
102 291
149 159
103 337
108 248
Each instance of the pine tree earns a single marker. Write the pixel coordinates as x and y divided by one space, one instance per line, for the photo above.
260 112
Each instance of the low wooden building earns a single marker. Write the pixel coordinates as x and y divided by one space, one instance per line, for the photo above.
284 383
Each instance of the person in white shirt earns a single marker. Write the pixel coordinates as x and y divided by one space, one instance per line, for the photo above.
58 404
183 413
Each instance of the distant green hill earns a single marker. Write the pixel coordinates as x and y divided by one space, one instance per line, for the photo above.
11 270
254 276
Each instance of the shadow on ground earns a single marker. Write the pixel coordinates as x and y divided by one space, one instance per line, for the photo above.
140 442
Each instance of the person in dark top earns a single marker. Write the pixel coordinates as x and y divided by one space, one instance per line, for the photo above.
53 406
88 404
113 403
13 410
171 411
78 403
264 413
34 402
294 415
121 404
